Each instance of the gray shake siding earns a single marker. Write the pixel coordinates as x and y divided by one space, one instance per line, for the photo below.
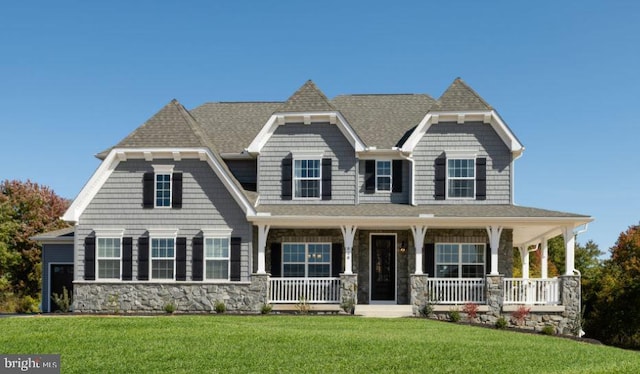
317 136
206 203
385 197
53 254
443 137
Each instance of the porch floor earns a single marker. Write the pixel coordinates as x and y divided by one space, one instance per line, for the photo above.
383 311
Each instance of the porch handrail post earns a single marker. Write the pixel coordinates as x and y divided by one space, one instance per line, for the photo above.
544 267
348 233
418 240
263 232
494 233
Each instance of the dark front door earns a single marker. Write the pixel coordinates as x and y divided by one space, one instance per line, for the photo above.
383 268
61 277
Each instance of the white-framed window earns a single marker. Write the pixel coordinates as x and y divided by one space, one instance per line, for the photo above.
109 257
460 260
461 178
163 258
306 259
217 264
163 185
307 178
383 175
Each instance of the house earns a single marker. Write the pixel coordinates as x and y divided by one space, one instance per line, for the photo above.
371 199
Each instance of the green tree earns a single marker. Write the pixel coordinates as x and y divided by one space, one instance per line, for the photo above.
26 209
615 295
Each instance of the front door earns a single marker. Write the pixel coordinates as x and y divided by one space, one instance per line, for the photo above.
61 277
383 268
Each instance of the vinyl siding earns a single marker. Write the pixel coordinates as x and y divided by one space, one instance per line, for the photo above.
206 204
245 171
470 135
385 197
317 136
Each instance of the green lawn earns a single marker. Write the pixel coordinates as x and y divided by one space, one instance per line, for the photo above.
299 344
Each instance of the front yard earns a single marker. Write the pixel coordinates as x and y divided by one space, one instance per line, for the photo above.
298 344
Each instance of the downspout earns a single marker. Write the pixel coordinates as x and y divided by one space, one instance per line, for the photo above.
412 196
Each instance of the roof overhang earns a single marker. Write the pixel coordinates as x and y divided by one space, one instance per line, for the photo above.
117 155
278 119
489 117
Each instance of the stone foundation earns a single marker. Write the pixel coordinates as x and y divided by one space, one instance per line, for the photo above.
188 297
349 289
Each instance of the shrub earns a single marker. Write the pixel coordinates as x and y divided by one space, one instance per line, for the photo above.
219 307
471 310
520 315
454 315
114 303
303 306
501 323
266 309
27 305
63 301
548 330
170 307
426 310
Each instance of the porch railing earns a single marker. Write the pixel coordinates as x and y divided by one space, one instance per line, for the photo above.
456 290
312 290
532 291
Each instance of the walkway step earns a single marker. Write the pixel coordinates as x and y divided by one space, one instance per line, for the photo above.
384 311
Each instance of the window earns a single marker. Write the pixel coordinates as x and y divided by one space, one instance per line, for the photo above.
383 175
108 258
306 259
163 190
306 178
216 253
163 258
460 260
461 178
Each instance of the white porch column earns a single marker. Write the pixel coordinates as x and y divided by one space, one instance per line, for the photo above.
524 255
418 240
348 233
263 232
494 233
544 260
569 248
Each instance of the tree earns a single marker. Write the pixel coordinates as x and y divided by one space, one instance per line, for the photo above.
613 315
26 209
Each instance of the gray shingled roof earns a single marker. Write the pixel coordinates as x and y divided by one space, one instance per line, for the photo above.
384 121
459 96
232 126
308 98
398 210
60 234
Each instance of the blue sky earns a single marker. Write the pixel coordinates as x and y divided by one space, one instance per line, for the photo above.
76 77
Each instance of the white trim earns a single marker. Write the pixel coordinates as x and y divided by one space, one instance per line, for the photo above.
97 258
106 168
390 176
461 153
492 116
217 232
459 263
162 232
49 281
448 178
281 119
306 258
108 232
205 258
395 256
294 179
307 153
174 258
164 169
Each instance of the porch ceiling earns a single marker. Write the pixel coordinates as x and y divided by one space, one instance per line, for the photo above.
528 224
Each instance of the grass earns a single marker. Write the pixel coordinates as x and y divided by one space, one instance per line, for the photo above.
299 344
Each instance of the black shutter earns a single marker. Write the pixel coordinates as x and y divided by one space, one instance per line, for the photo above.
181 259
143 258
197 265
441 178
127 260
481 178
236 246
286 178
336 259
90 258
487 260
176 190
276 260
326 179
370 176
148 184
397 176
430 259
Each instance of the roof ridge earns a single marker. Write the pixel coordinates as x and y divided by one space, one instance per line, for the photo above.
307 98
460 96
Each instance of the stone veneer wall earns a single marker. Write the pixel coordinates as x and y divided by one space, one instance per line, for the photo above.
565 320
146 297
